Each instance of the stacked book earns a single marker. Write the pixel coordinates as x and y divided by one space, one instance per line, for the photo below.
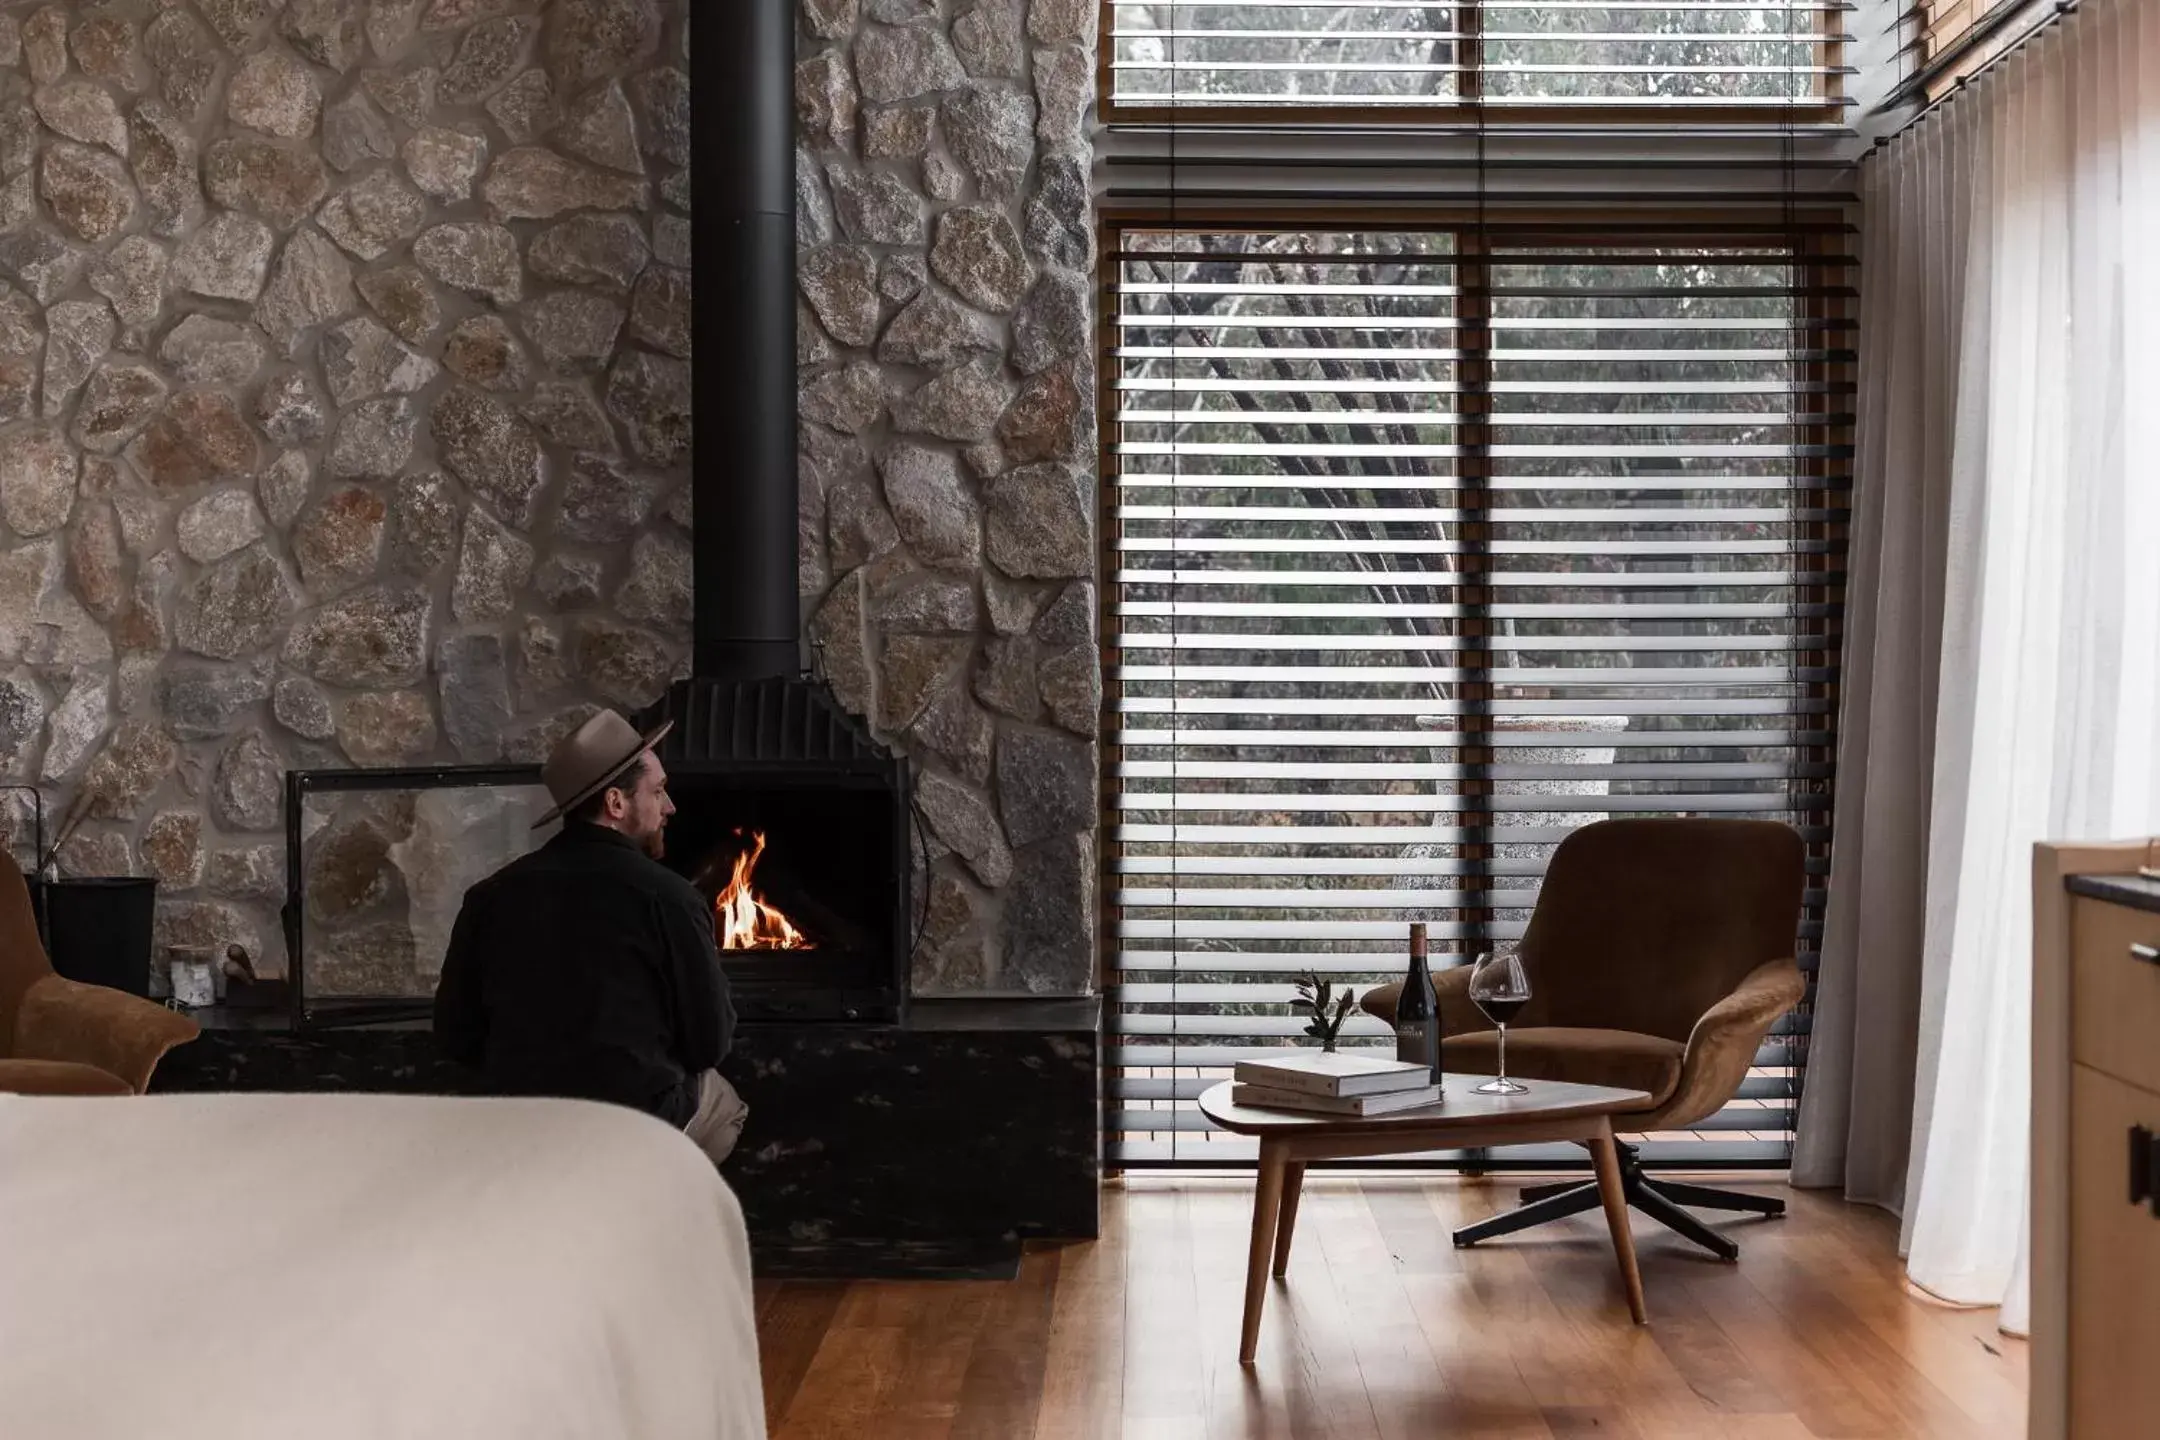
1333 1084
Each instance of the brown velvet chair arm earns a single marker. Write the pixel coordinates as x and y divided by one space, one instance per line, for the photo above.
1457 1015
122 1034
57 1077
1723 1044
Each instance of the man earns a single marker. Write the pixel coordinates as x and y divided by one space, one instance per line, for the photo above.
586 969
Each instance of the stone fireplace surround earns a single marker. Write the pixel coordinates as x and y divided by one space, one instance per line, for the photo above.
344 419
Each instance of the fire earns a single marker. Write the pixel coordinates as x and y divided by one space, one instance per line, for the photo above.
746 921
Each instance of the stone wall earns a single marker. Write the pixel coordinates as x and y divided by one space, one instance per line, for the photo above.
344 405
344 420
949 499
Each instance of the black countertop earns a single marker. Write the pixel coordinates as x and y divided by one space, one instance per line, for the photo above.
2133 890
1019 1014
1005 1012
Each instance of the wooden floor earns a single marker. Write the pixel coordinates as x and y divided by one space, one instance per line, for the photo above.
1384 1329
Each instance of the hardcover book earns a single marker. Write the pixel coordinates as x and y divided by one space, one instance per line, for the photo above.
1383 1103
1318 1072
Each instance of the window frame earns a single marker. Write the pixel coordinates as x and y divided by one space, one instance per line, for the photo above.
1825 267
1467 109
1947 57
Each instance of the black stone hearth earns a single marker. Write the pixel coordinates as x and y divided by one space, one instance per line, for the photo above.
931 1147
928 1148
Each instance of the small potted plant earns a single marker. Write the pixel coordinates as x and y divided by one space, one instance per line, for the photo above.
1314 998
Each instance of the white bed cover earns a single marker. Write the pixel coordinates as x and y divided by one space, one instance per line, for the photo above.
318 1267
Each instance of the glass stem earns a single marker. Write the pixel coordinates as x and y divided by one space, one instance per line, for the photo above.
1503 1054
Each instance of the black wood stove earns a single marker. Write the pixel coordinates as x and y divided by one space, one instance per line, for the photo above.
797 824
764 765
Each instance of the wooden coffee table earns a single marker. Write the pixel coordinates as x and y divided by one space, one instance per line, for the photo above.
1463 1119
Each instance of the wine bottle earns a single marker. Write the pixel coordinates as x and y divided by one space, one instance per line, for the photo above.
1417 1013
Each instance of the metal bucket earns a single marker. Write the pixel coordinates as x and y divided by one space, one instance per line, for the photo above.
98 930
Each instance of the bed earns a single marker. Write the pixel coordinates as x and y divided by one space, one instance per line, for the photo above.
395 1268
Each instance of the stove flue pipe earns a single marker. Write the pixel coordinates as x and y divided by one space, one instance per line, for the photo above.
742 121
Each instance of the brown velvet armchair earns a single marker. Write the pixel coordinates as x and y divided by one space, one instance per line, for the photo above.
60 1037
1659 955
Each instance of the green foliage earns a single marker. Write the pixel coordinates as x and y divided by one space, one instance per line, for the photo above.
1314 995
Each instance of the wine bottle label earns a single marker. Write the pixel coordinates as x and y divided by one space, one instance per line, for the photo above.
1414 1042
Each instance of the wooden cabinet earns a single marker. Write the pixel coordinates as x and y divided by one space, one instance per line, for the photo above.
2096 1146
2115 991
2114 1264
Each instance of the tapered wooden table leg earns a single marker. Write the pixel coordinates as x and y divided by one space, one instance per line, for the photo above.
1293 1186
1267 1205
1607 1158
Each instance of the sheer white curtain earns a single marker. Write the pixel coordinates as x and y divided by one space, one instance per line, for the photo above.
2039 193
1856 1116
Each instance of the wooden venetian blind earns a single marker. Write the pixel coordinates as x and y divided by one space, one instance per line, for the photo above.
1765 57
1950 39
1430 547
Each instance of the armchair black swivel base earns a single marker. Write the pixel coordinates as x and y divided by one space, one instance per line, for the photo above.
1661 1200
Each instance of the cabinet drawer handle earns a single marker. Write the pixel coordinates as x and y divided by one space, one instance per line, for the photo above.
2144 1169
2150 954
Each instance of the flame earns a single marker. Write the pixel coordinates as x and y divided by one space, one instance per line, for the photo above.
746 921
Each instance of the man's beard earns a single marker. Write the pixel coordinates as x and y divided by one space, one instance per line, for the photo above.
655 844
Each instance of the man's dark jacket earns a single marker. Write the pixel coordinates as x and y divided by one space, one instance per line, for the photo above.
587 970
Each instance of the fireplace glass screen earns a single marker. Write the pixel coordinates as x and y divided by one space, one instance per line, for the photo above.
383 859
